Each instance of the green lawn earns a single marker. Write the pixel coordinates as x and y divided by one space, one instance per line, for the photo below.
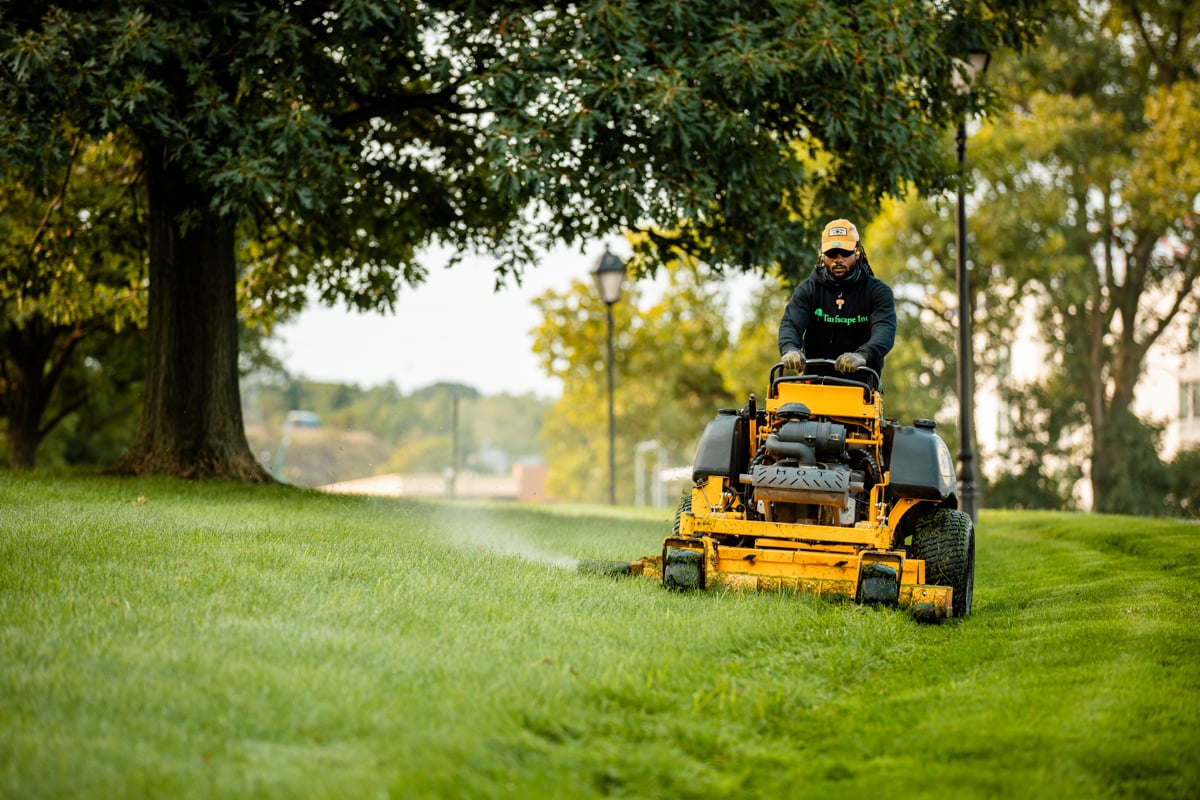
169 639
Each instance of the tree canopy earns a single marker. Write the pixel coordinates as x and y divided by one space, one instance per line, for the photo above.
343 137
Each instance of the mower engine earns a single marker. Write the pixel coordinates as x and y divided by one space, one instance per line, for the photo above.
802 472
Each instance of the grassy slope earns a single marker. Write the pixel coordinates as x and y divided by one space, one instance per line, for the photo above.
168 639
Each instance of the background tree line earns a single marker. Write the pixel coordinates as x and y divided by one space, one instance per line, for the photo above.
1085 193
302 146
678 358
380 429
1084 201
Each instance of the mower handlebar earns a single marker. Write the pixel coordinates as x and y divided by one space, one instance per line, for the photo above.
871 384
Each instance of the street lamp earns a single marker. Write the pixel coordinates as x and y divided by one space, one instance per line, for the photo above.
967 71
609 275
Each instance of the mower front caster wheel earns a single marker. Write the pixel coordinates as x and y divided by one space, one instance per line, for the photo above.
683 569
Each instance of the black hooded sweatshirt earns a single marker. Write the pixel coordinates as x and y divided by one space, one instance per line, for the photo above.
827 317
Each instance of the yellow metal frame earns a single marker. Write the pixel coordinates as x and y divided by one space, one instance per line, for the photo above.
815 559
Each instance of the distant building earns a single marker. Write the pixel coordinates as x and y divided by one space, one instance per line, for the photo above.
1154 398
1188 420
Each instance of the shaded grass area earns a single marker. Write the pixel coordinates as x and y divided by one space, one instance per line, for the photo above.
160 638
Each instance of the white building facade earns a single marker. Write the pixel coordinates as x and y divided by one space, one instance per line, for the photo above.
1185 431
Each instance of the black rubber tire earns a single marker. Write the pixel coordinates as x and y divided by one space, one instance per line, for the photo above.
945 540
879 585
685 507
683 569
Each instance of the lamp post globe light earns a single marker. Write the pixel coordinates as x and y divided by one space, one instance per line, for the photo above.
968 71
609 275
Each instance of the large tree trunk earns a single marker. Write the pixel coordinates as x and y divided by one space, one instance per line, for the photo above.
191 422
1126 471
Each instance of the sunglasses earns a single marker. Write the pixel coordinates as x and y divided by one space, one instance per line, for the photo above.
839 253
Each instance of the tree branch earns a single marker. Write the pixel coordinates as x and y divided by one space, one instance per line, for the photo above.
1190 276
56 201
1164 61
59 361
63 413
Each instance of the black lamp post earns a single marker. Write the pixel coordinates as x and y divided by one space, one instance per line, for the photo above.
610 277
976 63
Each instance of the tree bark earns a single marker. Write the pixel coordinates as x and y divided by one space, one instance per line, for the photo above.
25 397
191 424
36 355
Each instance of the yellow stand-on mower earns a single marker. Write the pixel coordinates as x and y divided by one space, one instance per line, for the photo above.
818 492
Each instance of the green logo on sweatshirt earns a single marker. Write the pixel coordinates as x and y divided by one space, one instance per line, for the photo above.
835 320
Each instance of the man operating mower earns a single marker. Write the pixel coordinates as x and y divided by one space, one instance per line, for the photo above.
841 311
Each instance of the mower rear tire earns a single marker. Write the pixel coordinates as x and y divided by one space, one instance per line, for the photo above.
945 540
685 507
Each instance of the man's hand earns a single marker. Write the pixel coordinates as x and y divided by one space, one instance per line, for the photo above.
850 362
794 359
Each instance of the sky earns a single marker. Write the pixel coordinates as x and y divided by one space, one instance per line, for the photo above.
453 327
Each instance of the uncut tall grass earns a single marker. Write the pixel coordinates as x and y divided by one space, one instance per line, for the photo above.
170 639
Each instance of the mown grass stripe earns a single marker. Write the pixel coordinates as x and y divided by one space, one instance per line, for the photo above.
160 638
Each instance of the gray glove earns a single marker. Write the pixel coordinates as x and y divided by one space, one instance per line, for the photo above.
794 359
850 362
